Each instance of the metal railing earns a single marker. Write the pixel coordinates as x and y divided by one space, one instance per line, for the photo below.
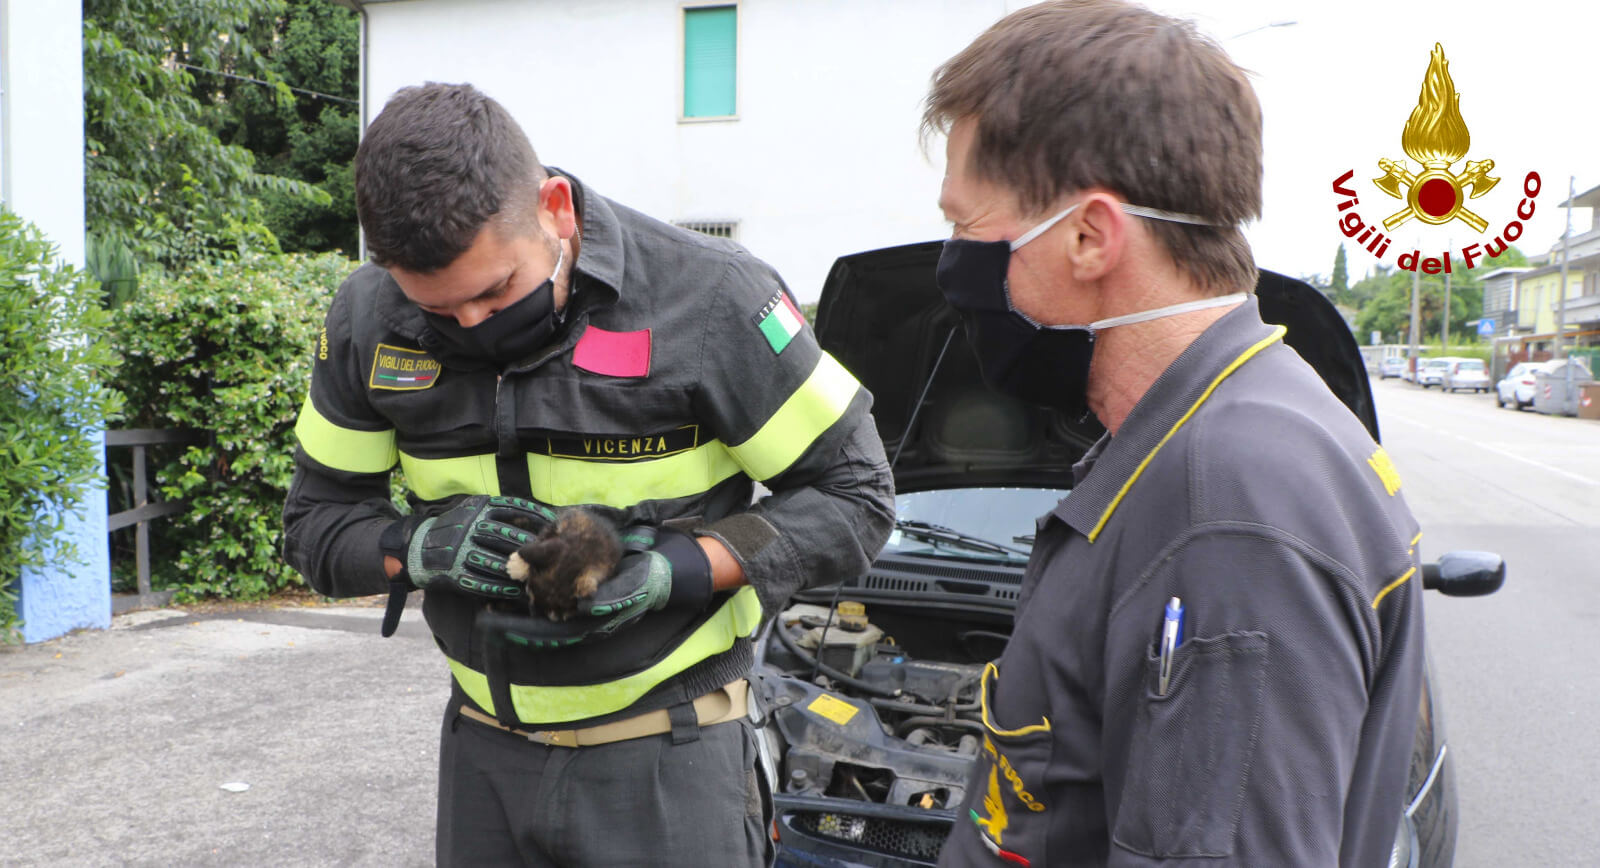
144 511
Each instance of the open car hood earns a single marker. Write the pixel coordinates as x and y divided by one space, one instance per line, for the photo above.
882 316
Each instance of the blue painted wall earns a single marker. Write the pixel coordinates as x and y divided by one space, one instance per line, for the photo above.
68 596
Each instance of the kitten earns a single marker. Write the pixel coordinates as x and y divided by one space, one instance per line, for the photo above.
566 562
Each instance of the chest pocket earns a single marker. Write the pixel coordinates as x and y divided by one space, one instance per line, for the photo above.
1007 802
1192 749
616 444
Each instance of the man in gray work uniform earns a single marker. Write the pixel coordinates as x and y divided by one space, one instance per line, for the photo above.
1101 161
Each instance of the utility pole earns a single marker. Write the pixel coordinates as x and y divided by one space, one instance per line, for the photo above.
1561 295
1444 320
1416 284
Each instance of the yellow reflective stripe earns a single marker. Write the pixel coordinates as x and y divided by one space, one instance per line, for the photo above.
1277 334
811 410
536 704
438 478
992 671
1392 585
568 481
346 449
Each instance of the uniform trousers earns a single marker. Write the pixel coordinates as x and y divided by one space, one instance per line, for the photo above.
504 800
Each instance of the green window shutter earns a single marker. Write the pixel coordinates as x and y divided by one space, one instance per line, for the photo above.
710 35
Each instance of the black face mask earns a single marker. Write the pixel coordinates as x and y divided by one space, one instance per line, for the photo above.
1048 366
508 336
1040 364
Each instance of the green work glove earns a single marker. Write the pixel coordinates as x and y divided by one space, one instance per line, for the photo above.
660 568
663 568
463 550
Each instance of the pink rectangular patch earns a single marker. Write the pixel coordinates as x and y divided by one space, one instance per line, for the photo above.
614 354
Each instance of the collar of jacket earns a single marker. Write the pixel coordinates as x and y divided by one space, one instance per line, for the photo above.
595 281
1106 469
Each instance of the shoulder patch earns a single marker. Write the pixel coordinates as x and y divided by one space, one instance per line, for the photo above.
401 369
778 321
1381 465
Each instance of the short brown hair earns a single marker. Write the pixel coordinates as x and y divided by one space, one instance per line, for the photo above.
433 167
1073 94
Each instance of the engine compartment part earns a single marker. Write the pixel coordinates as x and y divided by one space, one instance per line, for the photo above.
871 723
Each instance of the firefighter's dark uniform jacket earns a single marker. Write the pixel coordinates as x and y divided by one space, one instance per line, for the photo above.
1241 485
680 373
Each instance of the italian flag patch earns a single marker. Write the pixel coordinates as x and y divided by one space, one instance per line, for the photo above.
779 321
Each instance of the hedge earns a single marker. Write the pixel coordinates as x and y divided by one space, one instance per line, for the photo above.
227 348
55 360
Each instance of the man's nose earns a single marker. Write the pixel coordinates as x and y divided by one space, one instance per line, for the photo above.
469 315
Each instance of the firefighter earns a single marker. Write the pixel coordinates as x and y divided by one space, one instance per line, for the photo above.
520 343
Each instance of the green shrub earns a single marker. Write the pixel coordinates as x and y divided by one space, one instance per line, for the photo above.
54 362
227 348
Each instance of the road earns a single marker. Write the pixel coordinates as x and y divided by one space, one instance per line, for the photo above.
1517 670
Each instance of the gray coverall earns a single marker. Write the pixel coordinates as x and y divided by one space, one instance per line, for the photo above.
1240 484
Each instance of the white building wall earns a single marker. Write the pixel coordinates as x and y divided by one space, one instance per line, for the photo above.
41 128
823 159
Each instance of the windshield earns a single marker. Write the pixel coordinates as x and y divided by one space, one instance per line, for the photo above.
1473 365
997 515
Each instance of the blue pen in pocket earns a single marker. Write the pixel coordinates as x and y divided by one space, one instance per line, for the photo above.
1171 638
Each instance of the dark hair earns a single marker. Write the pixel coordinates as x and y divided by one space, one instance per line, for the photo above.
433 167
1073 94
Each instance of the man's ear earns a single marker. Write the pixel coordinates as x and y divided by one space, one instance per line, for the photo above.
556 212
1100 237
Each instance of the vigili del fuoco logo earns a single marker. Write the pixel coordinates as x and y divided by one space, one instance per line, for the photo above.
1435 136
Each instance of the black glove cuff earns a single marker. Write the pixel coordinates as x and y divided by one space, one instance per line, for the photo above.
691 569
394 541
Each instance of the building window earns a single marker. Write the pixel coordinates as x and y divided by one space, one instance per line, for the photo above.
715 228
710 61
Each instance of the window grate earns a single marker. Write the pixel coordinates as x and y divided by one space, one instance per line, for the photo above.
715 228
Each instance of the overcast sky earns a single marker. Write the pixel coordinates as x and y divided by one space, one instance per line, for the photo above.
1337 87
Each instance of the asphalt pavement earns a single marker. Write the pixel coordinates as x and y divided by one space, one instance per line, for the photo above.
1517 670
266 736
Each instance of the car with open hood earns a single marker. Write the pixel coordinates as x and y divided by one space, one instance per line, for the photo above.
869 687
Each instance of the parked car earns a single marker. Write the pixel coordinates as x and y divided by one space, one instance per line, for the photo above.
1516 389
1430 372
1466 374
1393 366
871 721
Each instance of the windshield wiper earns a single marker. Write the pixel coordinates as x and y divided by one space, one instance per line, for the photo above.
935 533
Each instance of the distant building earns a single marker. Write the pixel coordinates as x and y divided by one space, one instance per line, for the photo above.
1529 299
789 125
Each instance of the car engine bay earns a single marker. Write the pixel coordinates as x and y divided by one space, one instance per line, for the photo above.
888 711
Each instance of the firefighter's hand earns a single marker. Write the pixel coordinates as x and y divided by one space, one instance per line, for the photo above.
465 548
662 568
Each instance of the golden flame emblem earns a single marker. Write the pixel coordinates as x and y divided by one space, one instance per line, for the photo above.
1436 135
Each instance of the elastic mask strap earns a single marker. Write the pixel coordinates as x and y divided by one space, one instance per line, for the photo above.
1135 210
1169 310
1044 227
1169 216
561 256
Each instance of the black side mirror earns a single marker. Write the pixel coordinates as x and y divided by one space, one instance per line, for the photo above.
1465 574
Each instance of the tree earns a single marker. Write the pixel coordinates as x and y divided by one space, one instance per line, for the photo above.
1385 299
309 136
158 182
1339 285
